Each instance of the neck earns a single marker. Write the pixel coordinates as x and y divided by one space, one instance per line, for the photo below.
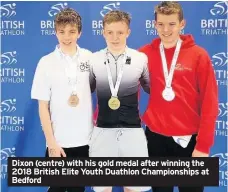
170 44
69 51
117 52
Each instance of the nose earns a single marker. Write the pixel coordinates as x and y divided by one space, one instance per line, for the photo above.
66 36
166 28
115 36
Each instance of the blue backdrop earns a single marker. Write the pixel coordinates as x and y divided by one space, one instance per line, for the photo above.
27 34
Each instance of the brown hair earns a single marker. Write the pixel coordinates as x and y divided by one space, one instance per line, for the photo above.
169 8
116 16
68 16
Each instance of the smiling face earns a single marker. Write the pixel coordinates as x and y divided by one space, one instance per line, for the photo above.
116 34
116 29
68 26
67 36
169 28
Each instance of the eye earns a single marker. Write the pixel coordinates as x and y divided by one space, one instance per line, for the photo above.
109 32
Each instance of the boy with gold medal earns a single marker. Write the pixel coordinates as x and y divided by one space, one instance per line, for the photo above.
118 131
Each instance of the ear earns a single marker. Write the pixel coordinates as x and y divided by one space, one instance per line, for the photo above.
103 33
182 24
129 32
79 35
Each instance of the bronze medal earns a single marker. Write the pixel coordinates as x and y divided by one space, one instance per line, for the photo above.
73 100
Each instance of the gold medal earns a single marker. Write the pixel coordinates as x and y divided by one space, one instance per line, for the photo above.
73 100
114 103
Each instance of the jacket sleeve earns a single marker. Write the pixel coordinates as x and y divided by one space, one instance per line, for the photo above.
208 91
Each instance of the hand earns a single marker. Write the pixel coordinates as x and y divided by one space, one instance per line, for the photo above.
56 151
197 153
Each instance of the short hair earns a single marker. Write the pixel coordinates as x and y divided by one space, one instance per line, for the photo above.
68 16
169 8
116 16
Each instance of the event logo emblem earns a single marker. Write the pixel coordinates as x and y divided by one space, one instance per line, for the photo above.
8 105
8 10
109 7
9 71
220 63
55 9
223 109
220 8
10 26
220 59
9 121
8 58
218 23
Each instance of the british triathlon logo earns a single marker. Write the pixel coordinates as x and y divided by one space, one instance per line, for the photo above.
223 111
9 23
47 26
8 58
10 72
220 63
9 120
97 25
223 172
220 59
4 154
109 7
221 122
8 105
8 10
217 23
219 8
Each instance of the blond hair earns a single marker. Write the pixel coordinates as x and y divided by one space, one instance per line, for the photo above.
68 16
169 8
117 16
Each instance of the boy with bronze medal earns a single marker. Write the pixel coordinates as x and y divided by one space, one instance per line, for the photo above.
62 88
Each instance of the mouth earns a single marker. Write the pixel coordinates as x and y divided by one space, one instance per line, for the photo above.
166 35
66 43
115 43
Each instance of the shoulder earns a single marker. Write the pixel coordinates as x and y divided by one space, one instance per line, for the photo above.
85 52
137 54
201 52
145 48
98 55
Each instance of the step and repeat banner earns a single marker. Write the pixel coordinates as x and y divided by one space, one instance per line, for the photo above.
27 34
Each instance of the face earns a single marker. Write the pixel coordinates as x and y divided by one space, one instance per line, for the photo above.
116 35
169 27
67 36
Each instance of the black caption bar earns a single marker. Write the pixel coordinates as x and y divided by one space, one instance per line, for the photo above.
102 171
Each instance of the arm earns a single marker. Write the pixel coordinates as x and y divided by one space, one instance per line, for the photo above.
41 91
53 148
145 79
208 92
